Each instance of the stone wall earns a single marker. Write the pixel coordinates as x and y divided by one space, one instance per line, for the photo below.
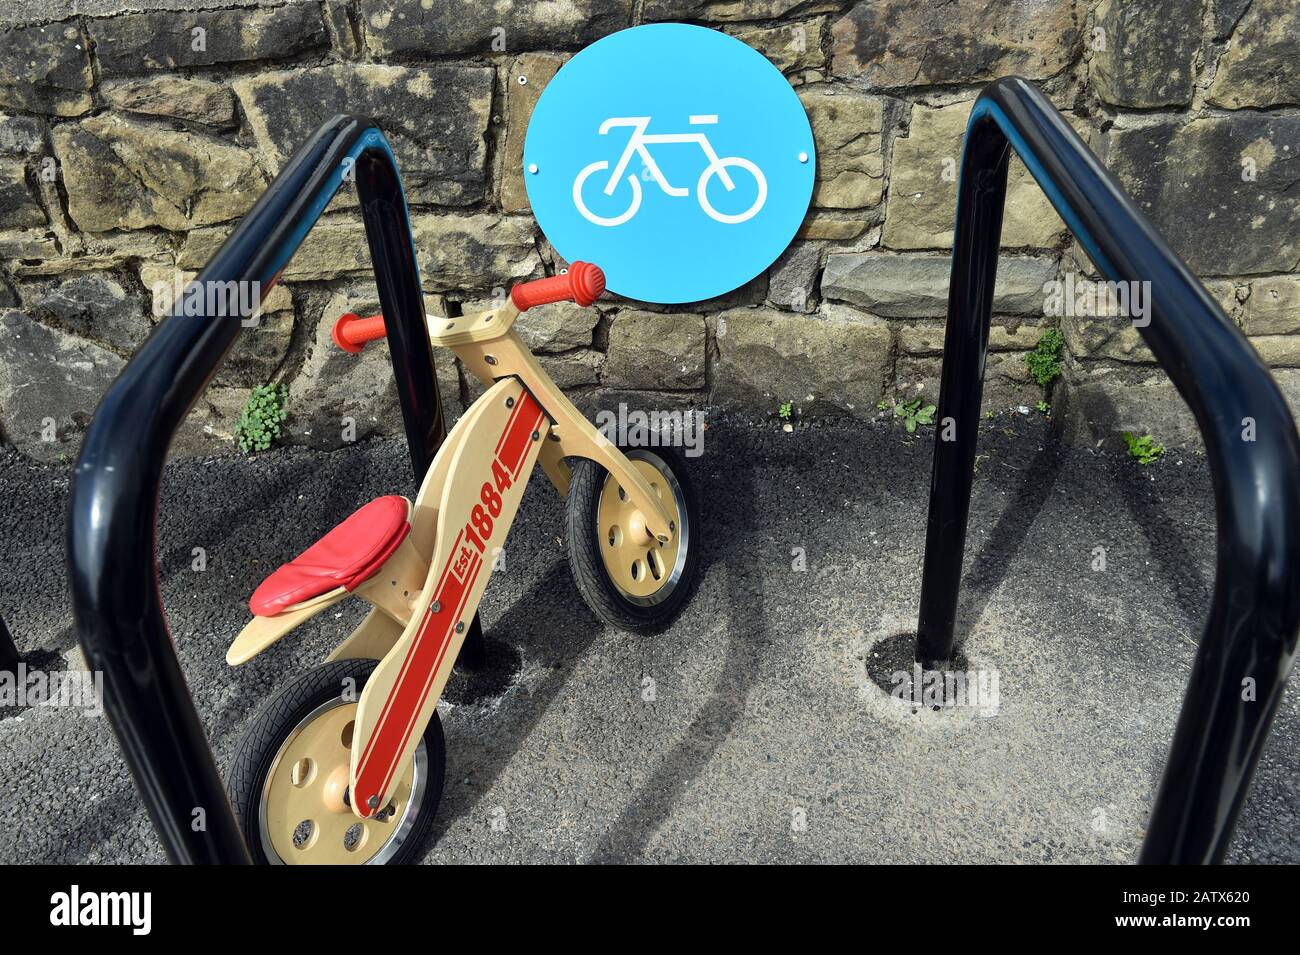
135 133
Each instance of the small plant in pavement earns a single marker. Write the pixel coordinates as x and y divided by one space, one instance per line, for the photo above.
915 412
1044 362
1143 447
786 410
259 422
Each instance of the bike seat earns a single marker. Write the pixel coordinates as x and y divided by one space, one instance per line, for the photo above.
346 557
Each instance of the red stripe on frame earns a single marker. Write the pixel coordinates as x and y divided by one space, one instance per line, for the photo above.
408 695
406 663
433 672
509 422
424 657
518 466
514 449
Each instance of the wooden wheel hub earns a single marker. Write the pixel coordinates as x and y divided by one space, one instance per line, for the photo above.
306 816
638 565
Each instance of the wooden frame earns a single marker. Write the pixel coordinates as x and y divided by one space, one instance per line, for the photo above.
424 596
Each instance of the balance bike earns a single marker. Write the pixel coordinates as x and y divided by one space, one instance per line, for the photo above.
345 763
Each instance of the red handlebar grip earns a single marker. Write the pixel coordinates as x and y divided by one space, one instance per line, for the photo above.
352 332
583 284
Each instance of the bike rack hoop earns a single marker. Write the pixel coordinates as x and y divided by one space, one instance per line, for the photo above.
112 562
1255 615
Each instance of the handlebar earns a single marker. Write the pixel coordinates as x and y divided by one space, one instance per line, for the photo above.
583 284
351 332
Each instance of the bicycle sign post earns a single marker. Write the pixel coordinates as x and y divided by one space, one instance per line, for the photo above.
641 123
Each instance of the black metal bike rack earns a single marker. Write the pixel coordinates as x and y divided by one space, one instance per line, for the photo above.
9 656
1253 622
112 562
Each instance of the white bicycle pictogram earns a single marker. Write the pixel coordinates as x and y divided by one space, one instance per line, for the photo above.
637 143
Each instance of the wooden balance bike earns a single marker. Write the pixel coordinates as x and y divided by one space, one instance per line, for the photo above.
345 763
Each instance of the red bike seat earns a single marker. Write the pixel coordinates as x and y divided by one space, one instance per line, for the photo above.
346 557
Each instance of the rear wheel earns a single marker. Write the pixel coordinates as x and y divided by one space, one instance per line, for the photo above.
289 778
629 579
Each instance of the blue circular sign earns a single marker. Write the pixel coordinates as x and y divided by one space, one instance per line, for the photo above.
676 158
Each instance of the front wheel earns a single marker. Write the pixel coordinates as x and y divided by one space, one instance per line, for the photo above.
627 578
738 162
288 782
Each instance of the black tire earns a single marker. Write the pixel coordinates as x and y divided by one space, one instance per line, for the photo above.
260 744
584 543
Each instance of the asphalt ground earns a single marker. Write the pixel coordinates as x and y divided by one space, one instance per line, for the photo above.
756 729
